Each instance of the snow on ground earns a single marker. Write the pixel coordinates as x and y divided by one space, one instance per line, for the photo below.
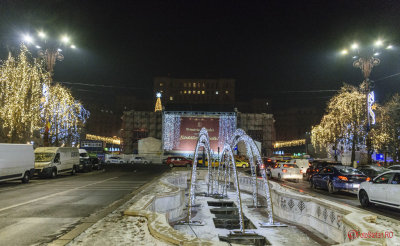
117 229
127 230
276 235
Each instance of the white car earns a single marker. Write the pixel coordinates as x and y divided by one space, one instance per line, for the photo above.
115 159
139 160
303 164
383 190
395 167
283 171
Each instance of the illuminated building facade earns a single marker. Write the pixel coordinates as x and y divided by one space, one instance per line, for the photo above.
195 91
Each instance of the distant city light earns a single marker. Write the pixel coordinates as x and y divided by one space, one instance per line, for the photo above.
389 47
59 50
344 52
73 46
354 46
376 54
38 47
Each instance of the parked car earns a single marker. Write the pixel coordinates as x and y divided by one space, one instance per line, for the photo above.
395 167
383 190
139 160
17 162
178 162
214 163
338 178
372 170
285 171
303 164
316 166
115 159
84 161
96 163
240 163
51 161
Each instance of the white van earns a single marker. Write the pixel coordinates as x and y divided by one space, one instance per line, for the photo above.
51 161
16 162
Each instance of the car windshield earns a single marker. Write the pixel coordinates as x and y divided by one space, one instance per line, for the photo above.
349 171
83 155
290 166
44 156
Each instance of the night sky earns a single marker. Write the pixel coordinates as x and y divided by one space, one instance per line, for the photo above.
271 48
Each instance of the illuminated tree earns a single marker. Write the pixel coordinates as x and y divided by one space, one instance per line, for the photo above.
344 120
20 93
28 100
65 115
386 134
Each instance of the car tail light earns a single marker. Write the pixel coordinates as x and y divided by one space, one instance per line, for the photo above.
262 166
284 170
343 178
317 170
368 179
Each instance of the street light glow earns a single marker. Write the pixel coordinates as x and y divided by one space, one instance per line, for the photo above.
65 39
38 47
376 54
42 34
73 46
378 43
344 52
158 94
354 46
59 50
389 47
28 39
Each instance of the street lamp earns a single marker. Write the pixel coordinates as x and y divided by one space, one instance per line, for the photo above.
49 49
365 60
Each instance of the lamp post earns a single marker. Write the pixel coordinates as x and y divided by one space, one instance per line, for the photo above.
365 60
48 49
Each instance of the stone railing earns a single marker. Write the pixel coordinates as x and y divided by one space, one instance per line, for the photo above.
330 218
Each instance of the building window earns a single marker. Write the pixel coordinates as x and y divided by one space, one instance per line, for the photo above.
198 92
184 84
203 92
184 92
194 85
226 92
194 92
204 85
190 92
180 92
171 98
161 84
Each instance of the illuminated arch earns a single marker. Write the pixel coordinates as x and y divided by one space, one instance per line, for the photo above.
202 141
251 152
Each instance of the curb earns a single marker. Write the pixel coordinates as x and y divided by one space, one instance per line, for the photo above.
92 219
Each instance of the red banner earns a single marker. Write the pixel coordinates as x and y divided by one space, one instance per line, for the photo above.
190 128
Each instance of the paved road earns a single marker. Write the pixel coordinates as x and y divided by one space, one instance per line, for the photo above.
36 213
345 198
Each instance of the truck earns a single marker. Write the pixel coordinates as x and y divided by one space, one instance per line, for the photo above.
51 161
17 162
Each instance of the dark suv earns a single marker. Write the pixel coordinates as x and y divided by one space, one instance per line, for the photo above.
316 166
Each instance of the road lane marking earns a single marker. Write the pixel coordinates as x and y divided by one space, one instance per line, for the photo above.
54 194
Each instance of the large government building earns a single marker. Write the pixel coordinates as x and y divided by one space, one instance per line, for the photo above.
187 106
